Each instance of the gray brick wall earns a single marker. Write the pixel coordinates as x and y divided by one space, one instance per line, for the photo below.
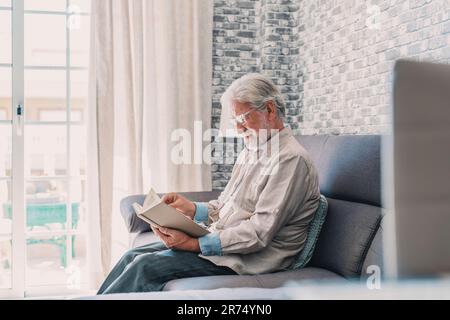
236 51
348 51
331 58
253 36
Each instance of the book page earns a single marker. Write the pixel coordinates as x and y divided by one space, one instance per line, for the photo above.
137 207
151 200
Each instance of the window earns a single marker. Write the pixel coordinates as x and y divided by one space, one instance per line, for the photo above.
50 82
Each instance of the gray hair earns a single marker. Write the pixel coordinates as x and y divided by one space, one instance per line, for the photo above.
255 89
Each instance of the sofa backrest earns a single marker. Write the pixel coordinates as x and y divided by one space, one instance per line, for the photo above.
350 178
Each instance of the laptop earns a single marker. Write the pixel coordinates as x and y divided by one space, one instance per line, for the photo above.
416 173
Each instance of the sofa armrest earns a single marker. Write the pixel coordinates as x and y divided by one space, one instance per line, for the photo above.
132 222
137 225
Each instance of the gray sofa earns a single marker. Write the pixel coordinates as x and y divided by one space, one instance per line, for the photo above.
350 240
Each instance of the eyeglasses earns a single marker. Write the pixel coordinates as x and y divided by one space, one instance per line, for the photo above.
242 118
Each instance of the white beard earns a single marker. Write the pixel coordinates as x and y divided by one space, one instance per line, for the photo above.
252 141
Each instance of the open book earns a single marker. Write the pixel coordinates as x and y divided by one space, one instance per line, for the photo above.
159 214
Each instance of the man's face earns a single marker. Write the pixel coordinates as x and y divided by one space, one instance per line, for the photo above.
254 121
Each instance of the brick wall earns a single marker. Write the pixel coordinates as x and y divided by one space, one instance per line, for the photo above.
236 51
253 36
348 52
331 58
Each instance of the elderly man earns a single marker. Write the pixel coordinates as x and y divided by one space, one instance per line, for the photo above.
259 222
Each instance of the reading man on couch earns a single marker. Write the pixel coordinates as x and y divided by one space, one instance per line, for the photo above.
259 222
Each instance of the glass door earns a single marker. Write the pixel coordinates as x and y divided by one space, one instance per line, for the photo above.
43 98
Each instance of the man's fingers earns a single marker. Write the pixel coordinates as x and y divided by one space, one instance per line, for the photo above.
164 238
160 234
156 230
166 231
161 230
174 203
169 198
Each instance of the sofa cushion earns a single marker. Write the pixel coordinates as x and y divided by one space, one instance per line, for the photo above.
269 280
348 166
346 237
313 234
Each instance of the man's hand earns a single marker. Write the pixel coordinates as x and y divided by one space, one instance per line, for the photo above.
174 239
180 203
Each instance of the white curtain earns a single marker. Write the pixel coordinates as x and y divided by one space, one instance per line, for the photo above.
150 75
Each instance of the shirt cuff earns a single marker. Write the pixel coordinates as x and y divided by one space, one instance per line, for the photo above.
201 212
210 245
